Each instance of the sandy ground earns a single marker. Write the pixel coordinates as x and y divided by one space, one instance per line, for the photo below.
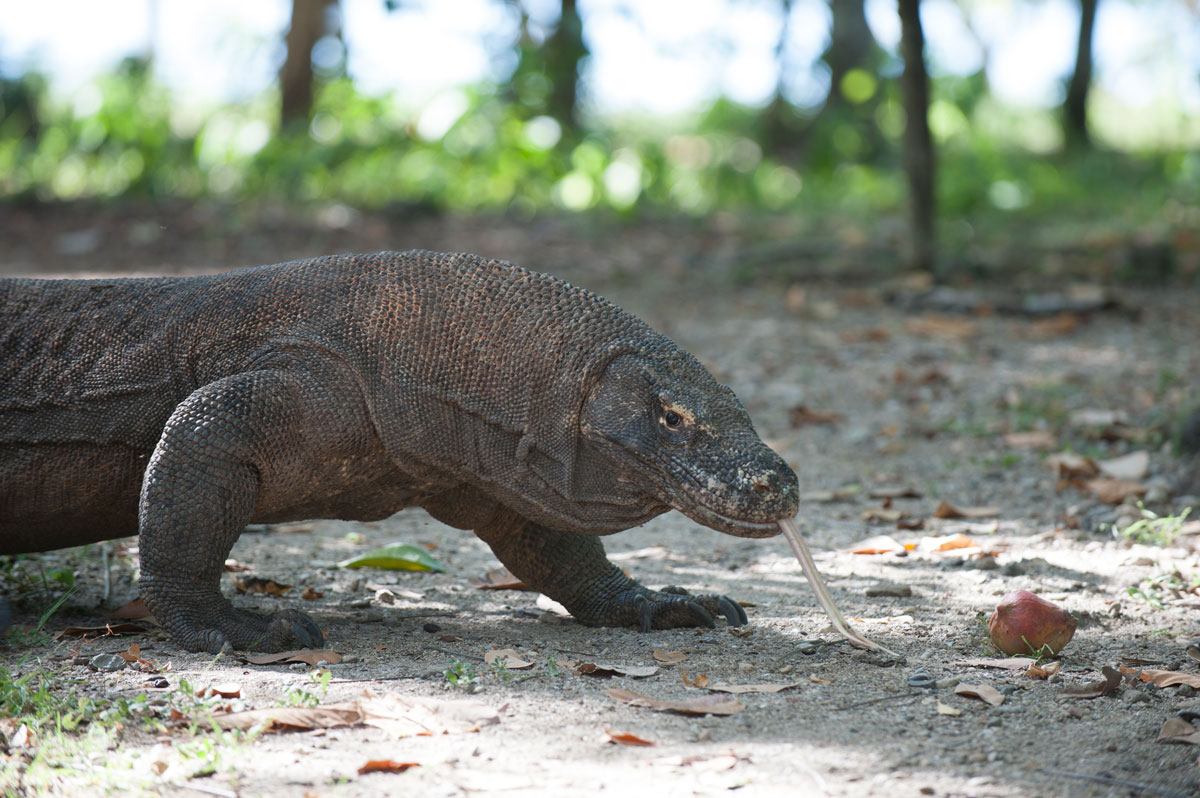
922 401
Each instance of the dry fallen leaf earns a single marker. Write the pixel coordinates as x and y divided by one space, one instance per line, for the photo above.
22 738
257 584
947 510
1178 730
1170 678
865 335
604 670
386 766
312 656
698 762
1038 440
1068 465
1044 671
886 515
310 594
946 709
346 713
1130 467
510 658
738 689
701 705
948 328
499 579
701 681
1053 326
400 716
952 542
223 689
668 657
1096 418
894 492
984 692
551 606
625 738
1114 491
879 544
1110 682
133 611
802 415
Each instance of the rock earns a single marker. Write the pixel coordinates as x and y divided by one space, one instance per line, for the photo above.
107 662
889 590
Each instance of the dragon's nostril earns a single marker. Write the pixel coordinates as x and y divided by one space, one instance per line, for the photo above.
761 485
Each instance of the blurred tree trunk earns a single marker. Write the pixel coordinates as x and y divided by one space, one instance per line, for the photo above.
296 76
918 145
564 50
851 46
776 132
1075 128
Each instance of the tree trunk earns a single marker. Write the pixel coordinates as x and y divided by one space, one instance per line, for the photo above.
1075 127
918 146
564 50
850 46
296 76
776 133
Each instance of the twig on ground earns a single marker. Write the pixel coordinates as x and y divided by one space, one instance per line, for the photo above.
453 653
856 704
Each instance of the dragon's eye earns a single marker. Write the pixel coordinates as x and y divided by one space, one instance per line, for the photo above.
672 418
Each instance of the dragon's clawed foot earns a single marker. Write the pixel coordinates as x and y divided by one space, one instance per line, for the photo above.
674 607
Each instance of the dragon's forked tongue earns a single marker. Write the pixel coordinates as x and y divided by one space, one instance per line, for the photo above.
800 548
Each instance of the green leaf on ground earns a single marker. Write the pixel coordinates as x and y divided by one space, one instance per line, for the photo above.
400 557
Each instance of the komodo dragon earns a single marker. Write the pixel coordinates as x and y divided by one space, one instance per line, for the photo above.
498 399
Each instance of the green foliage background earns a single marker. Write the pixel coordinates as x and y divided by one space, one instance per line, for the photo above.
503 154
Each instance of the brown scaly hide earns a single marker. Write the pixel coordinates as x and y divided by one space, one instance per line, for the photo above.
499 399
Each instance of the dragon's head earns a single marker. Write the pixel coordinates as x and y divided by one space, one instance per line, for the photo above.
683 438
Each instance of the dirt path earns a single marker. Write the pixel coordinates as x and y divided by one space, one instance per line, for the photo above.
920 400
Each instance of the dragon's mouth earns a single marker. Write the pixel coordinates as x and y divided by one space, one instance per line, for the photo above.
727 524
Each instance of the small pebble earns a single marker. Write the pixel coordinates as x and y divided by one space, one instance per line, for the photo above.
431 627
944 684
808 647
889 590
1135 697
1156 494
921 680
1185 691
107 662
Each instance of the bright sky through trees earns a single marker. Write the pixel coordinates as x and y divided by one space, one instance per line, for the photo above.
663 56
